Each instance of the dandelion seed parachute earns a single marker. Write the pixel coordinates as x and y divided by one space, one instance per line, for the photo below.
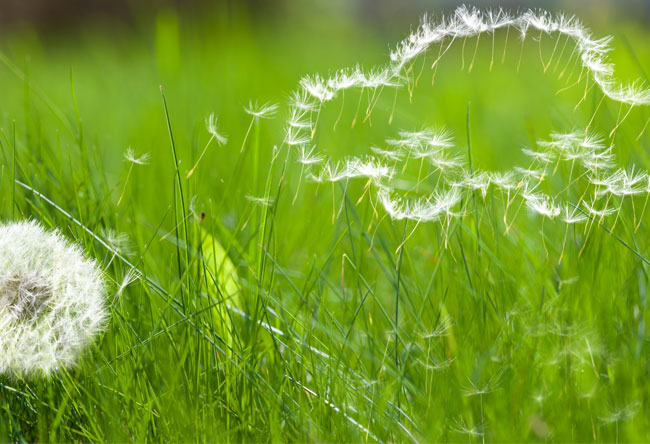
52 300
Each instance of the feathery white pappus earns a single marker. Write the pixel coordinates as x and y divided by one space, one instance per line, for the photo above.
52 300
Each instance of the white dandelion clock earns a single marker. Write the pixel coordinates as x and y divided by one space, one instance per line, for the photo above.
52 300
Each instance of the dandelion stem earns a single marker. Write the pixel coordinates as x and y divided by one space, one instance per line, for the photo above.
119 201
189 174
248 131
505 45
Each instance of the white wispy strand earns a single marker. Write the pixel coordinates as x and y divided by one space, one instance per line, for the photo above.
52 300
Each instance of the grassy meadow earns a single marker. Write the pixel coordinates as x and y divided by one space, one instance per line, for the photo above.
250 302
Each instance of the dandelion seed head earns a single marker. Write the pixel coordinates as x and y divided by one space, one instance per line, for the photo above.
52 301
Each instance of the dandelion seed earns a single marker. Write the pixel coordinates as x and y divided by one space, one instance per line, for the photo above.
441 330
302 101
388 154
437 364
131 157
295 136
623 183
298 119
462 428
130 277
442 162
528 173
623 413
133 160
345 79
504 181
360 167
379 77
543 205
423 209
52 301
211 126
541 156
571 215
264 111
119 242
426 137
598 162
317 87
260 200
539 397
475 390
309 156
478 181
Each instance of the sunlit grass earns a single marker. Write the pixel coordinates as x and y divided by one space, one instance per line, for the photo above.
252 303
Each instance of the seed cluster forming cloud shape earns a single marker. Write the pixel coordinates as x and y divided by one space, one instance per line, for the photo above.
52 301
590 157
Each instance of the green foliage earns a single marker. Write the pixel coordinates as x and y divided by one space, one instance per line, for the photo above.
272 308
